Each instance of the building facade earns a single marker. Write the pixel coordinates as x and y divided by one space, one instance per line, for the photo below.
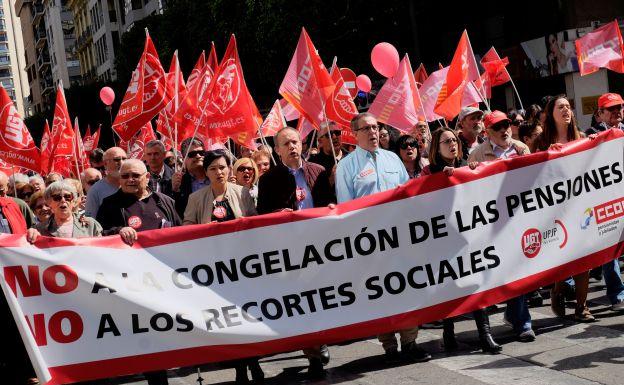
83 47
12 67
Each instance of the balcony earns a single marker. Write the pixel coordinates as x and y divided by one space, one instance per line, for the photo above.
36 12
40 38
83 39
47 85
43 60
6 73
5 62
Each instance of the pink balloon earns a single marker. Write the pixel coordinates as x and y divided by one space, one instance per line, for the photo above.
385 59
363 83
107 95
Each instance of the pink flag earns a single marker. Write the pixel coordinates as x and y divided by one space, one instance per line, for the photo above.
397 103
290 112
274 121
431 88
602 48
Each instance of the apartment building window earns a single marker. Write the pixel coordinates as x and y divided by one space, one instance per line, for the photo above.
137 4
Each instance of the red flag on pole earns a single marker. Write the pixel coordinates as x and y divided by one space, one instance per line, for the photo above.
290 112
463 69
165 124
136 146
495 68
307 84
398 103
192 107
274 121
80 154
146 95
90 141
62 134
420 75
601 48
46 149
340 107
197 70
17 146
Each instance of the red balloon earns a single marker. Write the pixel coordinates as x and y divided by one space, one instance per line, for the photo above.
385 59
363 83
107 95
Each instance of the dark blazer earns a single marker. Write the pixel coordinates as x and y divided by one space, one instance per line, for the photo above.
181 197
164 183
112 214
277 188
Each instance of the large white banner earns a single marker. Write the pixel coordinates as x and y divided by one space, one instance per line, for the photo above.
436 247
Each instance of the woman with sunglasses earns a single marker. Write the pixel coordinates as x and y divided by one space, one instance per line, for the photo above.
62 198
246 173
39 207
560 128
409 153
444 156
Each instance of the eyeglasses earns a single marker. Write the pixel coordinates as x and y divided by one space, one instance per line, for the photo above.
118 159
93 181
449 141
372 128
516 122
244 168
193 154
408 143
132 175
334 133
500 126
60 197
615 108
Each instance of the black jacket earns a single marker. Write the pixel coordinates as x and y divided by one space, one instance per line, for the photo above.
181 197
112 214
277 188
164 183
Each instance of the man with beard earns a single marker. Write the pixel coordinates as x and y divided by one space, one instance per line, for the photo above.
113 157
368 170
469 128
610 108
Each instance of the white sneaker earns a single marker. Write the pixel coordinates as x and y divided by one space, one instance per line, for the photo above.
618 306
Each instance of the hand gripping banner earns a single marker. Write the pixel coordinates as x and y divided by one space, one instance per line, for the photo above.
436 247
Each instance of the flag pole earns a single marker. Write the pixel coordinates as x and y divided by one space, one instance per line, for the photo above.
477 68
515 89
176 104
14 187
263 140
76 149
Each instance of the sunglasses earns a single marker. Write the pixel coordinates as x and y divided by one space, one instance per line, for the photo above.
60 197
500 126
93 181
406 144
335 133
449 141
516 122
244 168
193 154
132 175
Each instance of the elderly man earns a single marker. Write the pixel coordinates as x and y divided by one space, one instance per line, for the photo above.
160 173
470 127
325 156
135 208
88 178
368 170
295 184
113 157
500 145
610 109
37 183
193 177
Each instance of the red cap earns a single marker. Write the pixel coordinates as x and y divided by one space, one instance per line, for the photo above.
494 117
609 100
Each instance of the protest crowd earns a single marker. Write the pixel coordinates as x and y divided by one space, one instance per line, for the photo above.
192 178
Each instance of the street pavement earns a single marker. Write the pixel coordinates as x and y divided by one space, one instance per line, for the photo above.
565 352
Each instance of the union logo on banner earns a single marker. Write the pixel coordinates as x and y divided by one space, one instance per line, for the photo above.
227 86
16 134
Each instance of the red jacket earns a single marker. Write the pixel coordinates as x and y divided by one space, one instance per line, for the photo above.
11 211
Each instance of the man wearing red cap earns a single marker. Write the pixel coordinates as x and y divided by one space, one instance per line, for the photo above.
500 145
610 108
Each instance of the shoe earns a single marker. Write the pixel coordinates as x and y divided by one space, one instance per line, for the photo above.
392 356
527 336
536 299
557 303
584 315
412 353
618 306
257 374
488 345
324 355
315 369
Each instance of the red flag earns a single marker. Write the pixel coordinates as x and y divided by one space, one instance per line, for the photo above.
165 124
305 127
64 165
495 68
601 48
307 84
146 94
194 104
274 121
90 141
231 111
290 112
340 107
62 134
197 70
17 147
431 88
136 146
398 103
46 150
420 75
462 70
81 155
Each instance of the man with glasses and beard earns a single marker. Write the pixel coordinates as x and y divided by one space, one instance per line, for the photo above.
368 170
193 177
610 111
113 157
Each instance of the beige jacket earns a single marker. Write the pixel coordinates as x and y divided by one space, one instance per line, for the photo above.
484 151
200 204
